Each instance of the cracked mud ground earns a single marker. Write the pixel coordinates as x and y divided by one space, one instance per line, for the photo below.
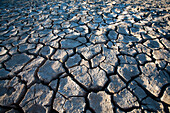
92 57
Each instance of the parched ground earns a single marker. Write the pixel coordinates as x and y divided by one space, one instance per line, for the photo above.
79 56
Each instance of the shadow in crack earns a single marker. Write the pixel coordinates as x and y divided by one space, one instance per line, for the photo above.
36 109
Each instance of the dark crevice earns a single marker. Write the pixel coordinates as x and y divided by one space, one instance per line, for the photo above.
77 82
52 53
121 78
53 111
163 88
56 77
87 107
166 108
23 92
37 80
5 108
19 109
80 84
148 93
106 84
53 97
119 5
136 97
153 59
20 70
90 64
6 78
81 56
129 109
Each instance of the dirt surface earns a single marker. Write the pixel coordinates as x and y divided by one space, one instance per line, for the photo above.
84 56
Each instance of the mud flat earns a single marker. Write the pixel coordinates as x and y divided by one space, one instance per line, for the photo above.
84 56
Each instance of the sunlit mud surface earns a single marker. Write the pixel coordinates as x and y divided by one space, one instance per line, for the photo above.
84 56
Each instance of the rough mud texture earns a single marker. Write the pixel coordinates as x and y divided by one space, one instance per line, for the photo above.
84 56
